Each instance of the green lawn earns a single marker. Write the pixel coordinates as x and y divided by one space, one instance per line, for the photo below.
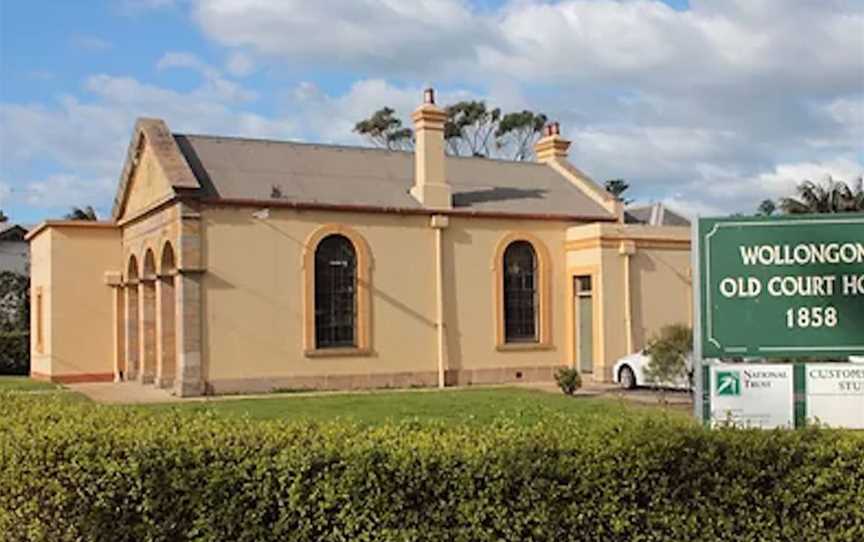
477 406
25 383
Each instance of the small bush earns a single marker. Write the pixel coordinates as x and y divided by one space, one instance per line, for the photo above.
569 379
78 471
14 352
669 351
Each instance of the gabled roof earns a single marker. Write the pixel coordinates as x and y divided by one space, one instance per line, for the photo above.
269 172
655 214
155 133
252 169
12 232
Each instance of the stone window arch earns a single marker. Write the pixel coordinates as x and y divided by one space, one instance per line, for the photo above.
521 275
336 269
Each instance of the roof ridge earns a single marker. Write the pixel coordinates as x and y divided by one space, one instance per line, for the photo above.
348 147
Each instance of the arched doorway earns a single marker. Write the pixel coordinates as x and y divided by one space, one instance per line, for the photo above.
147 326
131 318
166 296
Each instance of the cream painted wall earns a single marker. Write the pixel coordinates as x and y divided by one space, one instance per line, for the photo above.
78 316
661 291
40 280
659 283
148 186
470 310
253 294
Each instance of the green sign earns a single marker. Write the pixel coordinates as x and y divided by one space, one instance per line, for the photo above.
781 287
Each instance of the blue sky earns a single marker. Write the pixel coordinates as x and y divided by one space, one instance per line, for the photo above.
708 105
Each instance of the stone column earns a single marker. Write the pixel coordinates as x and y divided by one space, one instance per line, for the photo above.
165 332
147 329
119 309
188 315
131 335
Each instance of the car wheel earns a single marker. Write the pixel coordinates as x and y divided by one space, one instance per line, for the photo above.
626 378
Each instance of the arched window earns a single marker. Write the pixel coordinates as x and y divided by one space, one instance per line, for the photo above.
335 293
520 293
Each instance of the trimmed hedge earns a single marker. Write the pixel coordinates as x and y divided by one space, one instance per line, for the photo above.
77 471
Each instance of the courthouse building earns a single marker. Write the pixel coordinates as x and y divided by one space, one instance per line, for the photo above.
241 265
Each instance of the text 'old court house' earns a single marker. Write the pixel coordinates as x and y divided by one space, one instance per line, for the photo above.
234 265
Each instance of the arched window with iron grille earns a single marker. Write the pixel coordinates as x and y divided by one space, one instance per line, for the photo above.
520 293
335 293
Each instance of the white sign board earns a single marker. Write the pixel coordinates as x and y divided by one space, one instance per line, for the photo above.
750 395
835 394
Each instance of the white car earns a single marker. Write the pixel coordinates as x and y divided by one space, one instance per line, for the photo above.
629 372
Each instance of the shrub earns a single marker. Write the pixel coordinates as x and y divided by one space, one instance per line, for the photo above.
78 471
569 379
14 323
14 352
668 352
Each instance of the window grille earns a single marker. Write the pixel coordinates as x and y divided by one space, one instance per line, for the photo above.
335 293
520 293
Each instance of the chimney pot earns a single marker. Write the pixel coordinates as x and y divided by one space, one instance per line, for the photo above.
429 96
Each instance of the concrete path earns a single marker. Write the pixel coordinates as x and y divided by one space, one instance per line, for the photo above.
135 393
126 393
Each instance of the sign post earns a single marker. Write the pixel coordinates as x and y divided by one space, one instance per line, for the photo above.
777 288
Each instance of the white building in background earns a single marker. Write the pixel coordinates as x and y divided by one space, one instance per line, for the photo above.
14 249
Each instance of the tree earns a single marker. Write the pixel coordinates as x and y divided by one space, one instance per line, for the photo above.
766 208
617 187
828 197
3 217
79 213
472 129
518 132
669 352
385 130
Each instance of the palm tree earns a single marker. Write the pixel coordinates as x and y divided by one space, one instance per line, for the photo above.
829 197
82 213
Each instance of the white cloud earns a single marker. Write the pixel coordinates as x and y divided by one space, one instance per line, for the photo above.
239 64
332 118
217 85
392 35
60 192
92 44
85 142
717 192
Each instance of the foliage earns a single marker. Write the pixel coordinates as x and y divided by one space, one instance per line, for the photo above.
82 213
385 130
517 133
14 352
3 217
472 129
79 471
766 208
14 323
569 379
829 197
617 187
668 352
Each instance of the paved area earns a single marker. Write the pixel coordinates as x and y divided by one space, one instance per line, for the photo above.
123 393
135 393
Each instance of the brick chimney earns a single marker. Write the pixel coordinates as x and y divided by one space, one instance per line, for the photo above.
430 180
551 146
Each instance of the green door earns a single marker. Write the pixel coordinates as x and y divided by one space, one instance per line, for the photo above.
584 309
